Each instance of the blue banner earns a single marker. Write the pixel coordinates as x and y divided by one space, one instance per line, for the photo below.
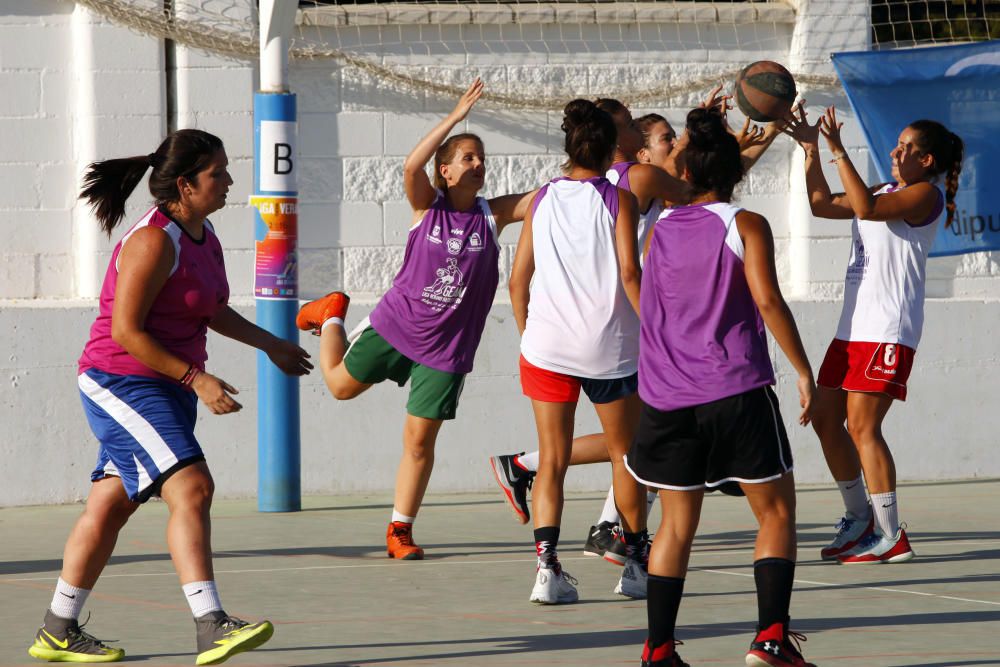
955 85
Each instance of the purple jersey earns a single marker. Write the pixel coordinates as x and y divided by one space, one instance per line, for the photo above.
701 335
436 309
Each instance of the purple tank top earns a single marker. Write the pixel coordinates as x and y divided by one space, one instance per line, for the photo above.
621 168
436 309
178 319
701 336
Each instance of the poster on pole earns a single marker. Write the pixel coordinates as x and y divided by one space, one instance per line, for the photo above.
276 274
955 85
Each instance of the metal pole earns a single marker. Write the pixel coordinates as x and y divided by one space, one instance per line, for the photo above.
275 202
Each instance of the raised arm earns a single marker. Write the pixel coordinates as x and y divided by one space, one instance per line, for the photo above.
626 245
511 208
755 140
914 203
822 202
520 275
762 278
419 190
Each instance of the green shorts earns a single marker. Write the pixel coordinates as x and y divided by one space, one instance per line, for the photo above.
433 393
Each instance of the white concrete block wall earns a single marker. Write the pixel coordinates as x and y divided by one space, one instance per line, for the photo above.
78 88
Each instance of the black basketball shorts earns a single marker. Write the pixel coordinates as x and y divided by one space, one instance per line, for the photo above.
738 439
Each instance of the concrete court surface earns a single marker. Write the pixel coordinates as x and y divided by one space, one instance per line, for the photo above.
322 576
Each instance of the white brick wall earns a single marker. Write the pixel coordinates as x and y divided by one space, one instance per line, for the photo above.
77 88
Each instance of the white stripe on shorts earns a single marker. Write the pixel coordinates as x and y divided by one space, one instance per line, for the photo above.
777 430
134 423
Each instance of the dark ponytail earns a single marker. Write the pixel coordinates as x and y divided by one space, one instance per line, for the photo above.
948 151
712 157
590 135
107 184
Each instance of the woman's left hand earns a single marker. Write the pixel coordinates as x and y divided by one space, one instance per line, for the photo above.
289 357
750 135
829 127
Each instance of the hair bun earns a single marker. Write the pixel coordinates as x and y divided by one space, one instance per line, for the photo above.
705 127
578 112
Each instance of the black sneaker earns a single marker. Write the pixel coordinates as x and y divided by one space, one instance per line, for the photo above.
599 538
63 640
221 636
617 551
662 656
773 647
514 481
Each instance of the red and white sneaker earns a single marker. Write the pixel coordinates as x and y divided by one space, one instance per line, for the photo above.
850 531
312 315
773 647
878 548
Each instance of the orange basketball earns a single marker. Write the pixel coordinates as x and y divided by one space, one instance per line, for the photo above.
765 91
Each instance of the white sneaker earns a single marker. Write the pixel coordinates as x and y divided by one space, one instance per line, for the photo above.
554 586
850 532
633 580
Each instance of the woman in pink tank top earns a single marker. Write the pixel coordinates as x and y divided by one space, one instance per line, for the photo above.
868 363
142 374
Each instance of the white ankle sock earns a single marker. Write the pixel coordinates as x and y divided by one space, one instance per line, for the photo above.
330 322
610 513
529 461
401 518
202 597
855 500
67 602
886 513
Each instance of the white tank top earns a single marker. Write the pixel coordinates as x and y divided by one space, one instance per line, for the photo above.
884 287
580 321
647 219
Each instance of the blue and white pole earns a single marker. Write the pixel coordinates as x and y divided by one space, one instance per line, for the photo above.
276 290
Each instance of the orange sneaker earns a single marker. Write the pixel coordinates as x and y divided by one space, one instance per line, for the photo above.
312 315
399 542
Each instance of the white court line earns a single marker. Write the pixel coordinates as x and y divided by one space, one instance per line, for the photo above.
348 566
867 588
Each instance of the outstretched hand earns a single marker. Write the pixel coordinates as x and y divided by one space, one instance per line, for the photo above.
829 127
798 128
289 357
751 135
721 103
468 100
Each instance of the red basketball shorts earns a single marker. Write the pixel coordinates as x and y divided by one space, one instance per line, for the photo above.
870 367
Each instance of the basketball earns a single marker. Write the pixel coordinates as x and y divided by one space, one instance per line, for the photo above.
765 91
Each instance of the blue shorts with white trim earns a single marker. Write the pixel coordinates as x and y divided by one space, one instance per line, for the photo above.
145 427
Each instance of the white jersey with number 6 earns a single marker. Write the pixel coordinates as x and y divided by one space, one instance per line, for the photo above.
886 276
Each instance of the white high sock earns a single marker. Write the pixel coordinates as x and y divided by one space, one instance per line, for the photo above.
886 513
401 518
67 602
855 500
610 513
529 461
202 597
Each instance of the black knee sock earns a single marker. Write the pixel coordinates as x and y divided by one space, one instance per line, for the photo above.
663 598
546 541
774 577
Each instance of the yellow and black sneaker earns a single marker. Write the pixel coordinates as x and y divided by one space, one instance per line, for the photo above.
63 640
221 636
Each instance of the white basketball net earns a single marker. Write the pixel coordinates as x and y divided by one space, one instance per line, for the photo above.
394 42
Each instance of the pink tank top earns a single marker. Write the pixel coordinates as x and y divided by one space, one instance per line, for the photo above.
178 319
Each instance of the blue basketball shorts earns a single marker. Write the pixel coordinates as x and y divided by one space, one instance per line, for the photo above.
145 427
